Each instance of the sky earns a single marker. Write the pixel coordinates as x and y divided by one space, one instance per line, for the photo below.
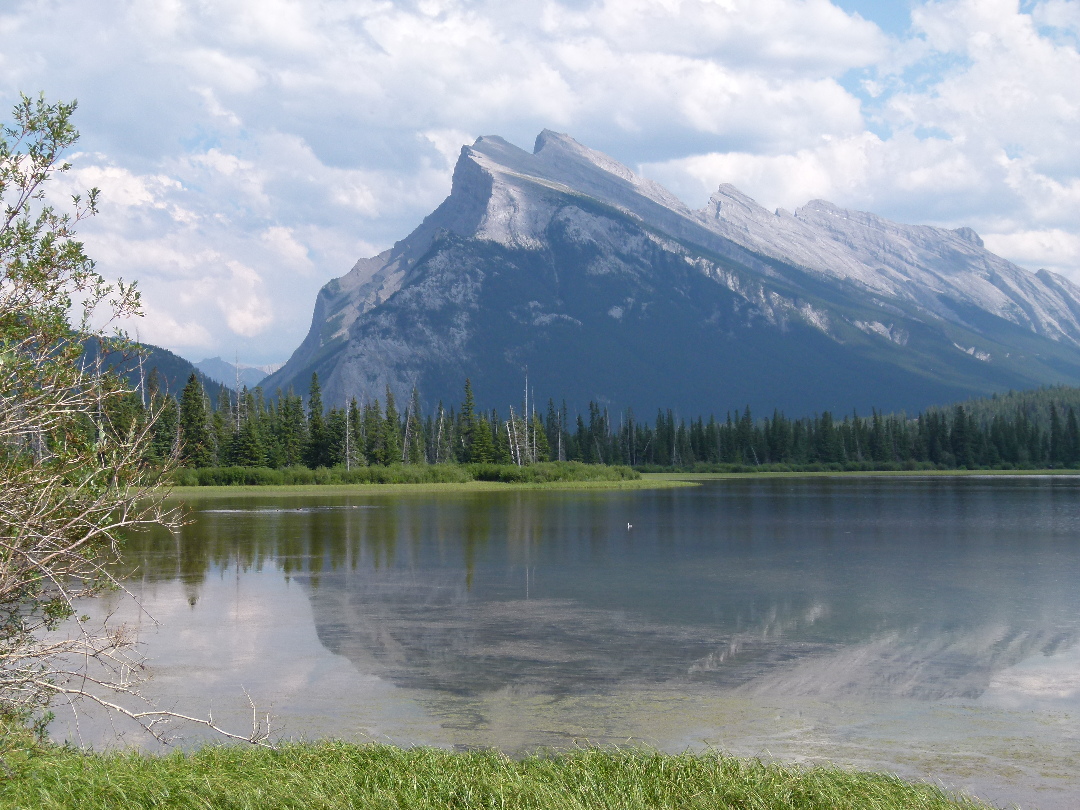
248 151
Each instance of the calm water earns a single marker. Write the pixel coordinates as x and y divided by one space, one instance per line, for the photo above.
926 626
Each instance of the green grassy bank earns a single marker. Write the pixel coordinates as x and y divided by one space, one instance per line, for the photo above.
330 490
331 775
544 473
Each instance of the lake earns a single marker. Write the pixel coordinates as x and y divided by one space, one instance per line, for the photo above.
927 626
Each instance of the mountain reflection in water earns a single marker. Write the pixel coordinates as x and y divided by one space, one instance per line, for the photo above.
917 589
863 594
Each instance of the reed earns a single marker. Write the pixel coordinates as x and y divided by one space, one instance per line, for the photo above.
333 775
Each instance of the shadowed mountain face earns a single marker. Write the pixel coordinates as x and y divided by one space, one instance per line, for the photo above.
608 288
230 374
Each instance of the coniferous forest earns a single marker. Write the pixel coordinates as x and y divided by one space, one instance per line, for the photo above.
216 429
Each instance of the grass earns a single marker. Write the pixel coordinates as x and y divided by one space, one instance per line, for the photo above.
541 473
397 479
329 490
335 775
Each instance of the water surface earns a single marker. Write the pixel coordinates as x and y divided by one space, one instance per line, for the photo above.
927 626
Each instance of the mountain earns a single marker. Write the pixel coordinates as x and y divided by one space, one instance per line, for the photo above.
171 370
608 288
227 373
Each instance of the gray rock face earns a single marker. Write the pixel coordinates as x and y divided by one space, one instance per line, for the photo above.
566 261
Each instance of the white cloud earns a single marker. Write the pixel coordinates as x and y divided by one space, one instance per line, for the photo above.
287 138
246 311
159 327
980 110
1061 14
1054 249
282 241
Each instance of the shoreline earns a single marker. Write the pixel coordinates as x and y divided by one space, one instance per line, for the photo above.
720 476
645 482
648 481
335 774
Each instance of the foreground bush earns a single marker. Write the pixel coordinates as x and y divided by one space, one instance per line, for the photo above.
550 471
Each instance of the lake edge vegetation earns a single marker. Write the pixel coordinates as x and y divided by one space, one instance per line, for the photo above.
333 774
251 439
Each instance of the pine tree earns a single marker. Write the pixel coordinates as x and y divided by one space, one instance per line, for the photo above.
197 448
416 443
293 429
224 426
1072 439
163 444
335 437
483 444
543 449
356 436
960 438
1057 438
317 452
391 440
502 452
247 448
467 420
373 432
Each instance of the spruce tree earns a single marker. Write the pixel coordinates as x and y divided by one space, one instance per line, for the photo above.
467 421
483 445
391 441
317 452
247 449
163 445
224 426
197 448
1072 439
357 456
1057 437
335 438
416 446
293 429
502 454
373 432
543 449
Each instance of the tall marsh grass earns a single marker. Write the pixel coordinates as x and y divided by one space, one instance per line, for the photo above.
335 775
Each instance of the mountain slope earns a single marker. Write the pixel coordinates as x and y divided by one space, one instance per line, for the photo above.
608 288
229 374
171 370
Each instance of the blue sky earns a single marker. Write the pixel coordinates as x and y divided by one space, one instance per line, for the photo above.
248 151
890 16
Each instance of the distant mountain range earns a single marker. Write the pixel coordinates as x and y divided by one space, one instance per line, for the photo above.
607 288
230 374
172 370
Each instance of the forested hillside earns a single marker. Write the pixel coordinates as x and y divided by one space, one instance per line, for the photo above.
1016 430
146 367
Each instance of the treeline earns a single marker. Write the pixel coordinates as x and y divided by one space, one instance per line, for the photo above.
1026 430
290 431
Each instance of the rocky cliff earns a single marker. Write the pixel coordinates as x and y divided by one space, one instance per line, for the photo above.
608 288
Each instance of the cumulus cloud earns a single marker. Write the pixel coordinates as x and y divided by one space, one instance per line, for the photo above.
975 118
249 151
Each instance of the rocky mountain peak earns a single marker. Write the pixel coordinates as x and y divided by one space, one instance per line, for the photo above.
564 249
970 235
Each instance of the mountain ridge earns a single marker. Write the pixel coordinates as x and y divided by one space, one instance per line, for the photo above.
567 249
